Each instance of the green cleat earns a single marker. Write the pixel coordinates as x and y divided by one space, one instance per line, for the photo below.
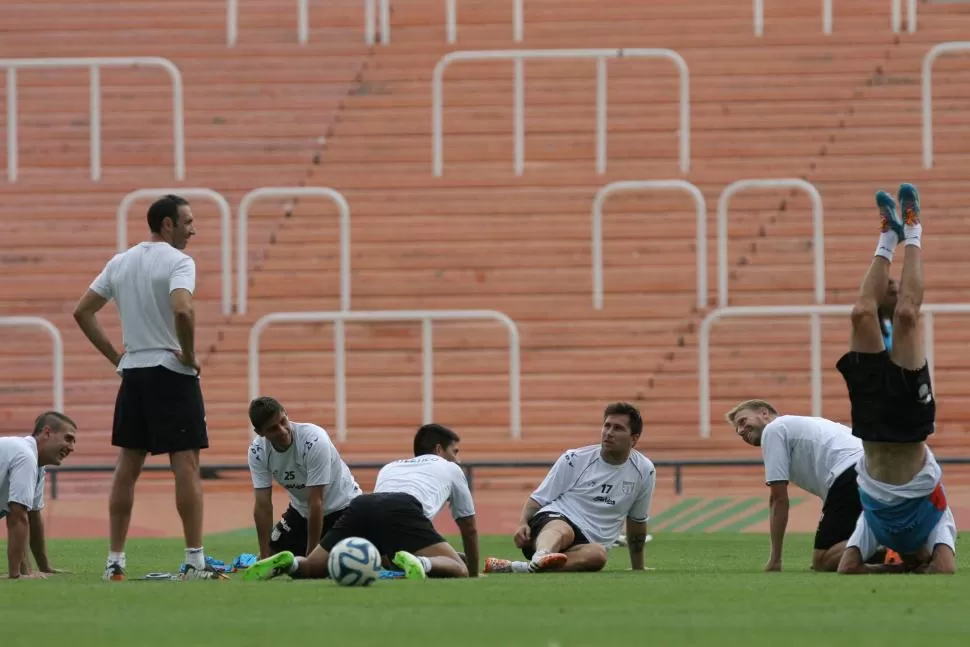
267 569
411 565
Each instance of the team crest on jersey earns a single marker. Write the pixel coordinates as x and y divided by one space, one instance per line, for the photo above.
627 487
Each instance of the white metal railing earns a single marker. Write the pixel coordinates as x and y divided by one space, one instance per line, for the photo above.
225 213
818 234
426 317
57 346
935 52
518 56
928 311
302 21
242 232
451 21
895 19
700 206
95 64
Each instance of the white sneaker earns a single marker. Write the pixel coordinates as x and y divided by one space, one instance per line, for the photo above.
114 572
207 573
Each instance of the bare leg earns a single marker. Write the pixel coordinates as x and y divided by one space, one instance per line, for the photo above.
445 560
908 351
554 537
866 333
313 566
585 558
188 495
827 560
122 498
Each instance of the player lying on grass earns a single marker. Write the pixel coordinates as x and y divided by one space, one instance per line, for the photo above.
577 512
300 457
904 506
22 468
397 516
817 455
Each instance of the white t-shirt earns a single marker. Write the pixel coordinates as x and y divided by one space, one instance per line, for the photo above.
598 496
311 459
809 452
21 480
141 280
430 479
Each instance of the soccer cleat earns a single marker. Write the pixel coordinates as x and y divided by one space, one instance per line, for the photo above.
498 565
909 204
892 557
207 573
114 572
889 220
272 566
548 562
410 564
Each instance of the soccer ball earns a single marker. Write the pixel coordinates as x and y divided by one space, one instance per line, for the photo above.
354 562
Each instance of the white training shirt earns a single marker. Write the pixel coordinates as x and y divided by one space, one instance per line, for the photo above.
311 459
141 280
598 496
21 480
809 452
430 479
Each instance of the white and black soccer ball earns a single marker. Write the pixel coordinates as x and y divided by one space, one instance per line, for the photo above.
354 561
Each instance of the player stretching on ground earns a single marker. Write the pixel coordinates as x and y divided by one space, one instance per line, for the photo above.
817 455
396 518
22 469
159 408
301 457
577 512
893 411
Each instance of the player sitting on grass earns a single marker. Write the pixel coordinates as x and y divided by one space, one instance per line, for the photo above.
904 506
22 468
577 512
300 457
396 518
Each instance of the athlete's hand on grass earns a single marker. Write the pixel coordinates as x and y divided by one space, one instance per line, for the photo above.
522 536
31 576
773 566
57 571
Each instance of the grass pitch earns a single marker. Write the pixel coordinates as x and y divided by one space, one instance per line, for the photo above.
706 589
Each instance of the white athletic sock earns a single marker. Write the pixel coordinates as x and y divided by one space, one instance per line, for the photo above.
116 558
913 234
539 554
195 558
520 567
887 244
295 566
425 563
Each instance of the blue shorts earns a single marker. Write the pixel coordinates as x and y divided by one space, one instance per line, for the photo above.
904 526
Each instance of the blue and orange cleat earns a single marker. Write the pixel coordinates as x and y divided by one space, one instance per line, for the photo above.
889 220
909 204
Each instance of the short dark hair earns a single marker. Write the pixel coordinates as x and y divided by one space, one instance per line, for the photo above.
628 410
53 419
430 436
165 207
262 410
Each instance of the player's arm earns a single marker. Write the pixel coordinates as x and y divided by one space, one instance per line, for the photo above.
314 523
636 520
181 285
38 542
469 541
552 487
263 518
17 532
779 505
636 538
86 316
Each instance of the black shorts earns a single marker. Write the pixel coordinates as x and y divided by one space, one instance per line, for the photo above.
840 512
540 520
889 403
159 411
391 521
290 531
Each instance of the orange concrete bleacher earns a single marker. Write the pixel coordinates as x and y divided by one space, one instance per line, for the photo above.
841 111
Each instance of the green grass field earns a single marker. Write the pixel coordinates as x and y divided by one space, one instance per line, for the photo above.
706 589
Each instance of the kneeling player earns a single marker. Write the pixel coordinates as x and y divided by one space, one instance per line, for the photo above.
396 518
300 457
904 506
577 512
